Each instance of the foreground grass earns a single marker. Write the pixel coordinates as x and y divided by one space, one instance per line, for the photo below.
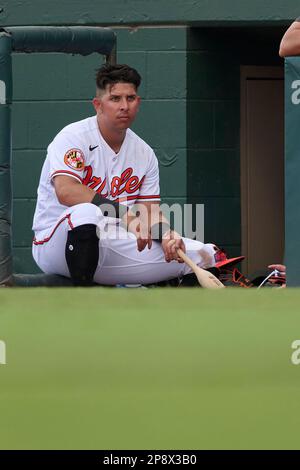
149 369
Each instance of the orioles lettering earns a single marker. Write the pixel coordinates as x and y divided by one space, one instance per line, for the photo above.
125 183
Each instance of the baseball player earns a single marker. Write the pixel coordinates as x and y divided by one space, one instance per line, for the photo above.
97 218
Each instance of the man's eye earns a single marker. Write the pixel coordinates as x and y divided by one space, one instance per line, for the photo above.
131 98
115 98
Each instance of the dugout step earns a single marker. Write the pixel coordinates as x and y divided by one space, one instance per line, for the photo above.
40 280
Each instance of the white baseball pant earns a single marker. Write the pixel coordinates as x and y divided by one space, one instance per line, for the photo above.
120 262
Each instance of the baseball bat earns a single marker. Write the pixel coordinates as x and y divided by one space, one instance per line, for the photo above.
205 278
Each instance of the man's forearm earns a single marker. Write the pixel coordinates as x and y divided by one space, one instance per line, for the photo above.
110 208
159 224
150 218
70 194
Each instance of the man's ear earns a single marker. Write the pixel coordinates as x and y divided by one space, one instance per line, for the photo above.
97 104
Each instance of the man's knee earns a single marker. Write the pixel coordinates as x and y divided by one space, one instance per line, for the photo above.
208 252
86 213
82 254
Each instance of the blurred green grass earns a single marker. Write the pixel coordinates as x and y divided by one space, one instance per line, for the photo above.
149 369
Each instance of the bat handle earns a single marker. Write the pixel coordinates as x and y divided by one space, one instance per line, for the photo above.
205 278
187 260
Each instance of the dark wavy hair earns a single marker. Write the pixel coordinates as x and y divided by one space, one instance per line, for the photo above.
111 74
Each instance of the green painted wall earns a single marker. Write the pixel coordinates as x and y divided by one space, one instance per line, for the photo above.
213 151
160 55
134 12
292 169
46 98
214 59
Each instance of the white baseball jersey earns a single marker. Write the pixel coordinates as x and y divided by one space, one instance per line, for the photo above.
80 151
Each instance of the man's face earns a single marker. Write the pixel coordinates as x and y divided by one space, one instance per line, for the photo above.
117 107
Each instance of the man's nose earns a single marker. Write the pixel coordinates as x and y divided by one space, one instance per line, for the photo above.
124 104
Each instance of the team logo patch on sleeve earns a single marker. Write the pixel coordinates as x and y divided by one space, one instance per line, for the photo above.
74 158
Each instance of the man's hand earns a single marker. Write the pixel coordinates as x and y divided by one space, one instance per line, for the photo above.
279 267
138 224
170 243
143 235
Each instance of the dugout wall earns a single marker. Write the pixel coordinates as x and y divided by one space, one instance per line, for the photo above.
292 169
189 54
72 40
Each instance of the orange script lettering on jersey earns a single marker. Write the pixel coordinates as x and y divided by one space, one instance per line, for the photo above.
125 183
